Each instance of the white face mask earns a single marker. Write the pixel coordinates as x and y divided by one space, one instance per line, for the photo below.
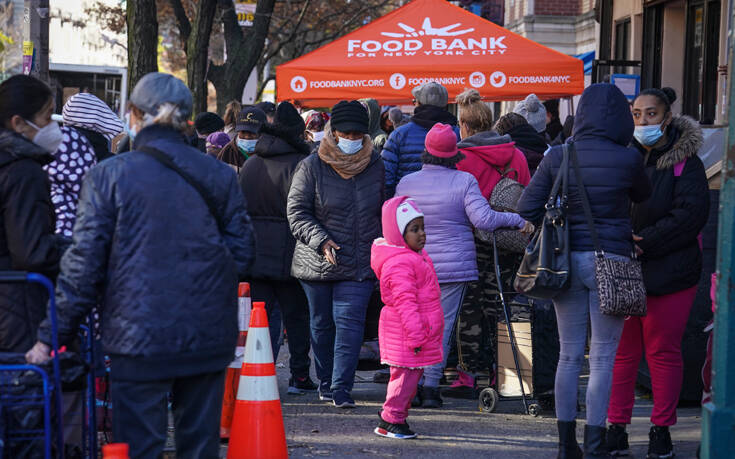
48 137
317 136
349 147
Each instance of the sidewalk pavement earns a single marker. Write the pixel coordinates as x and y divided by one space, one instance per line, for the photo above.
318 429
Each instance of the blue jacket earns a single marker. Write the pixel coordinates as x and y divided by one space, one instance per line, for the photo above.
613 174
402 151
148 250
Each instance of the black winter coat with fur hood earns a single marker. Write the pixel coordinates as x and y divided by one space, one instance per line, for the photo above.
672 218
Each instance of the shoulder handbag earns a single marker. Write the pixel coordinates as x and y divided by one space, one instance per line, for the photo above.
208 200
619 283
545 269
504 198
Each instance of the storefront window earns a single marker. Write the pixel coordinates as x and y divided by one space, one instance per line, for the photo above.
700 82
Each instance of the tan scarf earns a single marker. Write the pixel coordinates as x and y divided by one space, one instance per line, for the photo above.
347 166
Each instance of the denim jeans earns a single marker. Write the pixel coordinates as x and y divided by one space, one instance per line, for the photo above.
337 313
452 295
574 308
286 303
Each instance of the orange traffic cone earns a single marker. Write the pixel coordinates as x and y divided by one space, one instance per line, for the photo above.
232 379
257 427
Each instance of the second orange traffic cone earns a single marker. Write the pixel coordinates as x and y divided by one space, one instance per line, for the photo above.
257 427
232 380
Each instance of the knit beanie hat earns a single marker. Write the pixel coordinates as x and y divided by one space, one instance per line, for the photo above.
208 122
350 117
288 117
441 141
431 93
405 213
269 108
217 140
534 111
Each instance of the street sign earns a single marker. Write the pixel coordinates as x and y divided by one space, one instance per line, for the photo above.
245 10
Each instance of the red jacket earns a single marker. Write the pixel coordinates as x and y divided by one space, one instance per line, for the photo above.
487 153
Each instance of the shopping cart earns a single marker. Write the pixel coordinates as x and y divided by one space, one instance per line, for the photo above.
50 393
489 396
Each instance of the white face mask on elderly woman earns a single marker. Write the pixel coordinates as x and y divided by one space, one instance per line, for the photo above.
48 137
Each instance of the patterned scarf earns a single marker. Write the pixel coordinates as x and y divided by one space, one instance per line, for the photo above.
347 166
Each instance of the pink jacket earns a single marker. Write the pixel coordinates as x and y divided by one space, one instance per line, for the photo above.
412 316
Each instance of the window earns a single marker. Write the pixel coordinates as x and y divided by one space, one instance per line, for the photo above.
622 43
700 79
653 34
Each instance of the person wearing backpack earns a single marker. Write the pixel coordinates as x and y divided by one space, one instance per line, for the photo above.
490 158
666 230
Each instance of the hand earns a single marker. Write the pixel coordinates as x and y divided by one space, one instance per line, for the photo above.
638 250
327 251
528 228
39 354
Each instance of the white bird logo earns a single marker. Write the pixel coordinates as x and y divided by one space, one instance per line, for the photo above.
428 30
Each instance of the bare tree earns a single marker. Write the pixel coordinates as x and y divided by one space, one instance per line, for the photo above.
142 39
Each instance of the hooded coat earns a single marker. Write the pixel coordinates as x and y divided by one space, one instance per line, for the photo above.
412 316
147 245
487 155
402 152
453 205
531 143
265 180
672 218
613 174
27 241
377 134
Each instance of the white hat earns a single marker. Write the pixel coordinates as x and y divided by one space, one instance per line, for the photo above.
406 212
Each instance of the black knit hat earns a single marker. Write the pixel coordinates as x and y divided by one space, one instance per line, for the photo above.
287 116
208 122
350 117
269 108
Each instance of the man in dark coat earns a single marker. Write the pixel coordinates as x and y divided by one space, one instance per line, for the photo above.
402 151
164 257
247 127
265 180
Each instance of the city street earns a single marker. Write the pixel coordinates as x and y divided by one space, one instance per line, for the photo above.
317 429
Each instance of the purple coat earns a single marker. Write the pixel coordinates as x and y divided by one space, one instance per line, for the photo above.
453 205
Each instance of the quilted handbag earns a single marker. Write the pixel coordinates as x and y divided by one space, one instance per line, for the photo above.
504 198
545 269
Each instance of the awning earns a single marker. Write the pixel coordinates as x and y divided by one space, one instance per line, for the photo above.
428 40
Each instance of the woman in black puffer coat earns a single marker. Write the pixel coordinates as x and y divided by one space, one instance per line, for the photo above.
334 209
265 180
666 228
27 241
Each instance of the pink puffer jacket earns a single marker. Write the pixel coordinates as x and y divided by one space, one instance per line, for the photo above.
412 316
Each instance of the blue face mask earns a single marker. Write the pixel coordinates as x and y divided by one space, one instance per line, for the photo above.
247 145
349 147
130 132
648 135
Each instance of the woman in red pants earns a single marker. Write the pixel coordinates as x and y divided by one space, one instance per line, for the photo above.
666 228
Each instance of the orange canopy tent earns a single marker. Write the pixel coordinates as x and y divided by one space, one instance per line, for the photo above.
428 40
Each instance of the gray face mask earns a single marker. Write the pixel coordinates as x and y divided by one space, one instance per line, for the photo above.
48 137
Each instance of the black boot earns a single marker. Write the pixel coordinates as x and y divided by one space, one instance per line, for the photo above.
568 446
594 443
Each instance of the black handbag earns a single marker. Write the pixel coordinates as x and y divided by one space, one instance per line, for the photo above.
545 269
619 282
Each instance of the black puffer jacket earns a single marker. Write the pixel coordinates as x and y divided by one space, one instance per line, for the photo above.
27 241
147 244
322 206
672 218
265 180
613 174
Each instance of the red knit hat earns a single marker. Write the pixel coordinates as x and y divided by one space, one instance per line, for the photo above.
441 141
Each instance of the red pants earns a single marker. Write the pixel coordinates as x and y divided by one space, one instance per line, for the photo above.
660 334
401 390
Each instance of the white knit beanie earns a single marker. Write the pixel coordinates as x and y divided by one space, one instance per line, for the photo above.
534 111
406 212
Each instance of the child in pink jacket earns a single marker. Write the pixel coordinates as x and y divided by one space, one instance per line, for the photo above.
412 321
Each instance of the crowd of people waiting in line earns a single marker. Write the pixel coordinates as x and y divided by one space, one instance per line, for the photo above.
315 209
